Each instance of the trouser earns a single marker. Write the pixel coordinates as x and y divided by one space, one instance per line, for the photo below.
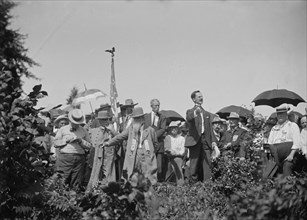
174 165
146 164
280 152
72 168
161 167
109 164
199 155
119 162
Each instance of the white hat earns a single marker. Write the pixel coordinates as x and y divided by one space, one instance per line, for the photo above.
76 116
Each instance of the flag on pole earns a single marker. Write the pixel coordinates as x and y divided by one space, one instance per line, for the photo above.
113 91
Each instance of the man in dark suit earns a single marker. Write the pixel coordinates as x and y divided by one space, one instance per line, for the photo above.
200 138
158 122
234 136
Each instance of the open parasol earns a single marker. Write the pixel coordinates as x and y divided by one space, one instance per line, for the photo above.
276 97
225 112
88 95
171 115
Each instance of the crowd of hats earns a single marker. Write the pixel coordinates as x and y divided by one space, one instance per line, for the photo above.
104 112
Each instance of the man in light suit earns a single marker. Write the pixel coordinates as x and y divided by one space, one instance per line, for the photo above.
157 121
200 139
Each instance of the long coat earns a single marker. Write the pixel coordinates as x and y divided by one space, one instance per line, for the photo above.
195 125
159 129
149 140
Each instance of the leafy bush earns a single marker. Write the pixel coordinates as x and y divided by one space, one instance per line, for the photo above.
24 163
117 200
284 198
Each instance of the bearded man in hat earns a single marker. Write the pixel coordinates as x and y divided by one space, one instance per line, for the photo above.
284 140
73 141
158 122
125 119
200 138
102 160
234 136
141 144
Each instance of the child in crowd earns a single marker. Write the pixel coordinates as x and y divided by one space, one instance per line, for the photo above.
174 149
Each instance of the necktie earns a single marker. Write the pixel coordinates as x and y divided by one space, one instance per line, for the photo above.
202 123
153 119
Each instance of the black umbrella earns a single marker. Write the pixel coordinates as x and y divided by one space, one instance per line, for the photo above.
276 97
225 112
172 115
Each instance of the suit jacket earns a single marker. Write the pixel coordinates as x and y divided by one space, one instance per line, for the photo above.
195 124
235 137
148 137
159 129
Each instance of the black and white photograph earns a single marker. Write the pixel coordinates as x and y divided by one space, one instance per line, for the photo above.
157 109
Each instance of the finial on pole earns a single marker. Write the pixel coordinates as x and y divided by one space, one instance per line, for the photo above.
111 51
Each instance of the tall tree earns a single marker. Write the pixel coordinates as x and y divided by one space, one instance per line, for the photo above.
13 54
21 159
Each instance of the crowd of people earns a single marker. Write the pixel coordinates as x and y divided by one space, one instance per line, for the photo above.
106 148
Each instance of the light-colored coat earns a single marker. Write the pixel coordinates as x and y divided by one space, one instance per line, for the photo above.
148 138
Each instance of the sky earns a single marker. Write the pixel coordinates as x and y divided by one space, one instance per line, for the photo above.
229 50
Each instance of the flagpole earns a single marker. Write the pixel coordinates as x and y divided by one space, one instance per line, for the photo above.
113 90
89 100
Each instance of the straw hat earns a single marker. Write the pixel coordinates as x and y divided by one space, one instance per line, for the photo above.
59 118
283 108
217 120
76 116
234 115
174 124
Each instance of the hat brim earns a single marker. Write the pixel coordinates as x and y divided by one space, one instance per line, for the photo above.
104 117
124 106
229 117
58 119
214 122
72 120
137 116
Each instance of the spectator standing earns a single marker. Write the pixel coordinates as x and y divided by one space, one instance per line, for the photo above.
284 140
73 141
59 122
304 135
158 122
103 160
234 135
174 149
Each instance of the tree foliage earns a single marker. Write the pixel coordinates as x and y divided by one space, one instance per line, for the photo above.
13 55
73 93
23 162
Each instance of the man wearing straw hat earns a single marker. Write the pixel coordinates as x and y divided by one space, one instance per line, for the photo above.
73 140
284 140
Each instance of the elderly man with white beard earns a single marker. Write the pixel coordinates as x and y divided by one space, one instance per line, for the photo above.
141 143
